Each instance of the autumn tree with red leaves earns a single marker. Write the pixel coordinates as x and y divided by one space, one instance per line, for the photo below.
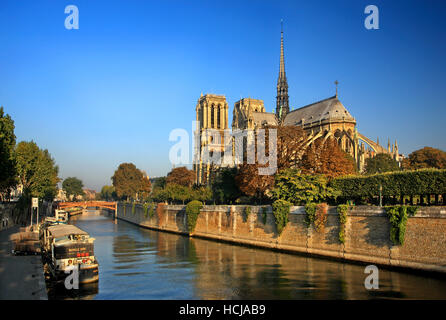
327 158
290 146
181 176
425 158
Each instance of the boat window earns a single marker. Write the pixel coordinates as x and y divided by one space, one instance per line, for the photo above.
62 238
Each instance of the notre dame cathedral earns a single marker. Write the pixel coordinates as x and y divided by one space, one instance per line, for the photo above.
322 119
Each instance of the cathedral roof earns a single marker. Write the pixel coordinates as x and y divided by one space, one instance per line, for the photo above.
328 109
260 118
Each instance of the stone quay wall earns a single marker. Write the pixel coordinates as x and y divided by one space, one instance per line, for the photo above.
367 232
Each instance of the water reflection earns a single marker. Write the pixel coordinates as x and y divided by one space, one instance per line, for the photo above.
136 263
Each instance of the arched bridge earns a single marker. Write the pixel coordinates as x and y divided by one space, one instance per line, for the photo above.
88 204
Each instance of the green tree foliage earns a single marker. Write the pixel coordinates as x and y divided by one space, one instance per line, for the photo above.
130 182
224 188
202 193
297 188
380 163
181 176
159 183
425 158
108 193
8 170
73 187
37 171
281 210
193 210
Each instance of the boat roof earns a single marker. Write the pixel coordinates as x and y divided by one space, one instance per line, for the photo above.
62 230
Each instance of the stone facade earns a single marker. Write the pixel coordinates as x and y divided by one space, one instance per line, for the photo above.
212 121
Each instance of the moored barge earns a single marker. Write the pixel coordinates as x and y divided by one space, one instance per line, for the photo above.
65 246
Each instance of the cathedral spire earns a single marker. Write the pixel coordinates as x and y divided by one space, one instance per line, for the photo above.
282 84
282 57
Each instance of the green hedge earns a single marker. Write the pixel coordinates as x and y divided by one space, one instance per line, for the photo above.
402 183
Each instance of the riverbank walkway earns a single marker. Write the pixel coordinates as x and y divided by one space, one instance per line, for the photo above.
21 277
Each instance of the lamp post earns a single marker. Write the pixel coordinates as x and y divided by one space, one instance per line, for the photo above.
380 195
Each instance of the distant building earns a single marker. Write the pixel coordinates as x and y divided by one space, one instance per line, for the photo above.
89 194
61 195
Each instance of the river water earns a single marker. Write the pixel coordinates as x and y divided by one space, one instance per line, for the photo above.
137 263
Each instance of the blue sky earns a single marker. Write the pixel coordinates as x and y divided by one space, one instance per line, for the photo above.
112 91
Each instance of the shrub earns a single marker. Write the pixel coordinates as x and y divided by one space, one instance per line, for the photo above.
247 213
298 188
193 210
145 208
310 213
152 210
320 216
398 216
281 209
342 210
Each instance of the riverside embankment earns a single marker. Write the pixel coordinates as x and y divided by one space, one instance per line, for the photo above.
21 277
367 233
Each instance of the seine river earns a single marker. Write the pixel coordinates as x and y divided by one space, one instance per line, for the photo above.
136 263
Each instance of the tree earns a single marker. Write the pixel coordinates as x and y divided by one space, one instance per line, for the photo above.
382 162
252 184
224 188
130 182
145 187
37 171
327 158
425 158
202 193
8 170
181 176
290 145
107 193
73 187
159 183
293 186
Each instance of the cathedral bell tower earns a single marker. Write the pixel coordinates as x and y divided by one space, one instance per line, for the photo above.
282 103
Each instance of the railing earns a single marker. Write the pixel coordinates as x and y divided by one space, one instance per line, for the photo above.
86 204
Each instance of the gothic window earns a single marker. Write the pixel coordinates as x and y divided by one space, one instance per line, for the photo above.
200 116
212 116
218 116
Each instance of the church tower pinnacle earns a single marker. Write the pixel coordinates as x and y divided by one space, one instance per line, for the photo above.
282 104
